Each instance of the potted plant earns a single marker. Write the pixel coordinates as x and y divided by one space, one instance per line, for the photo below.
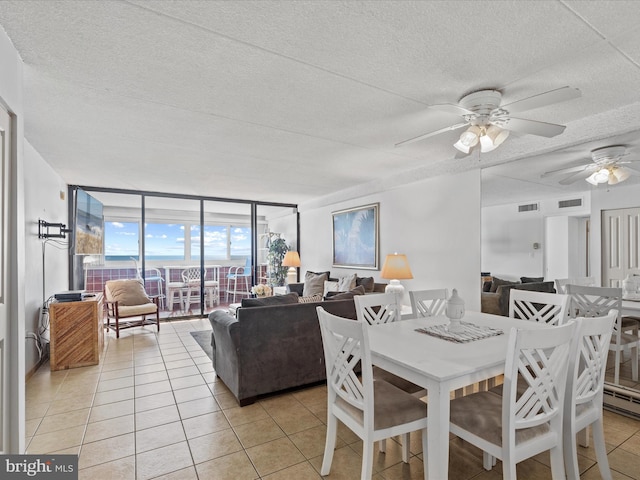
277 250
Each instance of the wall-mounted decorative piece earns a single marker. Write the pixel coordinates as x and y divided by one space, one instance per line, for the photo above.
355 237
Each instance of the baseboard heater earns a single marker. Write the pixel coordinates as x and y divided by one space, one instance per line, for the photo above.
625 401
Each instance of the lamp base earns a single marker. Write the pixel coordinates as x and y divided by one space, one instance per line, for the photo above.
292 275
396 288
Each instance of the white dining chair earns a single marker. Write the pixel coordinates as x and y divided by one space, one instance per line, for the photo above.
584 392
373 410
375 310
561 283
596 302
549 308
518 425
428 303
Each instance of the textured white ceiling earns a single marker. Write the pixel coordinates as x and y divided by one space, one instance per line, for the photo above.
289 101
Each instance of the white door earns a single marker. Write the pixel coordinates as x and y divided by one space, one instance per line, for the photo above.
5 149
620 245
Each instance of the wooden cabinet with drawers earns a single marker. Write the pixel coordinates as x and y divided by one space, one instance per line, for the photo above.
77 333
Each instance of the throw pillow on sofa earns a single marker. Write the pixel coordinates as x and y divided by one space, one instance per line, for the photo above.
330 287
498 282
345 295
347 283
531 279
314 283
367 282
287 299
312 299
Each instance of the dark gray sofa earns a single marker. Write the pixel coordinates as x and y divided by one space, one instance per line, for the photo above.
271 348
498 302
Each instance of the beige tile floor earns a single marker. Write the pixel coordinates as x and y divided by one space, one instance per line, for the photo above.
153 408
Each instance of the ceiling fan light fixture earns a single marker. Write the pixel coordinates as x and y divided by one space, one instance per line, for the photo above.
461 147
497 134
591 179
621 174
599 176
486 144
470 136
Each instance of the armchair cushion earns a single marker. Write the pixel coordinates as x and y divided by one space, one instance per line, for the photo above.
126 292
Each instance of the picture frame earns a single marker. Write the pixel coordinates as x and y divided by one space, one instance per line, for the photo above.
356 237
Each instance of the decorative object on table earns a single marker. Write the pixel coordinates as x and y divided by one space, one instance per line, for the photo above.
468 332
261 290
396 268
355 237
631 286
277 251
454 311
291 260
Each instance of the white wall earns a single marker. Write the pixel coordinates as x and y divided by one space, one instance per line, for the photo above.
508 237
42 201
557 248
435 222
507 242
11 74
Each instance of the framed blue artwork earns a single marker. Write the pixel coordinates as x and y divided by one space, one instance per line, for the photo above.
355 237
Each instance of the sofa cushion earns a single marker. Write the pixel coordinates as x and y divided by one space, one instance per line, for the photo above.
311 299
498 282
287 299
367 282
347 283
345 295
531 279
126 292
314 283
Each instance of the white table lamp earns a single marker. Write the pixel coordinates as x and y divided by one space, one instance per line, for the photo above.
396 268
291 260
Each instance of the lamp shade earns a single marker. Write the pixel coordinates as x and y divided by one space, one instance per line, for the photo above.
291 259
396 266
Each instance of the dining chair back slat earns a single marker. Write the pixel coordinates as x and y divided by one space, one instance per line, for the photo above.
428 303
377 308
542 307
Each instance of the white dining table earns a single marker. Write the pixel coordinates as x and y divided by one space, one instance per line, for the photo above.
441 366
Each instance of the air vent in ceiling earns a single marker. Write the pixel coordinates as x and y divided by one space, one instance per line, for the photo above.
530 207
576 202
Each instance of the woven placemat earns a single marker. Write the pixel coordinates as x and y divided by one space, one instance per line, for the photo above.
468 332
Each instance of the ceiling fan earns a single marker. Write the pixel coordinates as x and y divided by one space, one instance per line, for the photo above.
606 166
489 122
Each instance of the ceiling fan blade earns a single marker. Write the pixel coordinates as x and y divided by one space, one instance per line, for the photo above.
578 168
431 134
575 177
534 127
451 108
543 99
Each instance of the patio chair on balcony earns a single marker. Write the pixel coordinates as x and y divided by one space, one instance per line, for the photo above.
192 284
235 275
